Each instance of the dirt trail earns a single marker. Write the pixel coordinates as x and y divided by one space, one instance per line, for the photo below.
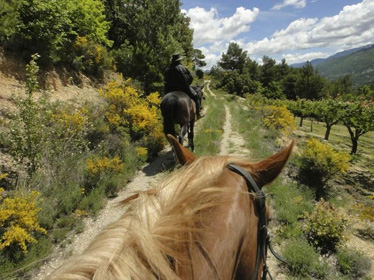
207 83
232 143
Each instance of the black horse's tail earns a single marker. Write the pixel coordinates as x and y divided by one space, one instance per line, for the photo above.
168 110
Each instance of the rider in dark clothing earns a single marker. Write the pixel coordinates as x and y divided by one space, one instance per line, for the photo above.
178 78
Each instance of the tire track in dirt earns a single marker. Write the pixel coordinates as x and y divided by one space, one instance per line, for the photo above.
232 143
211 93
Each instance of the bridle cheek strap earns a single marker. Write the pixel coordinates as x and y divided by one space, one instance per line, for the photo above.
262 232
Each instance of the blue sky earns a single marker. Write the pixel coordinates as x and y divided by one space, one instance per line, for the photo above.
297 30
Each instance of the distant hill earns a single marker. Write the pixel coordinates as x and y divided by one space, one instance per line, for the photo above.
357 62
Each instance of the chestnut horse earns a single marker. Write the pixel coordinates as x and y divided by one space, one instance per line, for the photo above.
178 108
202 222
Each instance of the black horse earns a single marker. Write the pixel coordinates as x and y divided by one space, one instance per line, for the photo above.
178 108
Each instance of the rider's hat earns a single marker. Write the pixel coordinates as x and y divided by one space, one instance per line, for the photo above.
176 57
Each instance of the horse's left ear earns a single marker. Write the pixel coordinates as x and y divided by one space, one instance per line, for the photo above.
264 172
183 155
202 86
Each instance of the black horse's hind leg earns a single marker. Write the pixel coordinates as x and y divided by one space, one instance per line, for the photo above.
191 135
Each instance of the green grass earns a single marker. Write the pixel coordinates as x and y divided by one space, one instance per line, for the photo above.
208 138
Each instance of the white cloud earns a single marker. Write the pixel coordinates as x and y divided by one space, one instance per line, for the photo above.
209 28
294 3
353 26
294 58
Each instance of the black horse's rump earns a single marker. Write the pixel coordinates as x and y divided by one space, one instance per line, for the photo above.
178 108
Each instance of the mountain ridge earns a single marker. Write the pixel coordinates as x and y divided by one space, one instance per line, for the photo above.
357 62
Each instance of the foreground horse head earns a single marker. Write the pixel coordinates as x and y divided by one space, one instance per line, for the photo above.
178 108
200 223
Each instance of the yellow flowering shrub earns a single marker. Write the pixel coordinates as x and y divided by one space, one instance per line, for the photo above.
139 115
18 220
141 151
96 165
71 121
279 118
154 99
319 162
102 173
326 157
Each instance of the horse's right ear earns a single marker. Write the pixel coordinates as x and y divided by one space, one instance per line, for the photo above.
183 155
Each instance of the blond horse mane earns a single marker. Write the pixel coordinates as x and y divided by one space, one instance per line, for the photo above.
152 236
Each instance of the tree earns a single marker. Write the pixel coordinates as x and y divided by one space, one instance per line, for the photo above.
358 117
9 14
309 84
330 112
341 87
252 69
269 71
198 58
274 91
301 108
234 59
151 31
199 74
289 86
366 92
52 27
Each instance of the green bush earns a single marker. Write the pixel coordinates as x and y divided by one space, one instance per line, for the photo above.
301 258
24 262
325 227
92 202
318 163
291 201
353 263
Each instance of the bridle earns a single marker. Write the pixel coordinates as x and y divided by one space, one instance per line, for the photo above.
263 237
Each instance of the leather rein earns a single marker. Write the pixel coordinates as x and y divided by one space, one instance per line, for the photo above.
263 237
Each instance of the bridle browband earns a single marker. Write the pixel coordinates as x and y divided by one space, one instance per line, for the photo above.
263 237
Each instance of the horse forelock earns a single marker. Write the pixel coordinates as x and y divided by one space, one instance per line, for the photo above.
154 232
